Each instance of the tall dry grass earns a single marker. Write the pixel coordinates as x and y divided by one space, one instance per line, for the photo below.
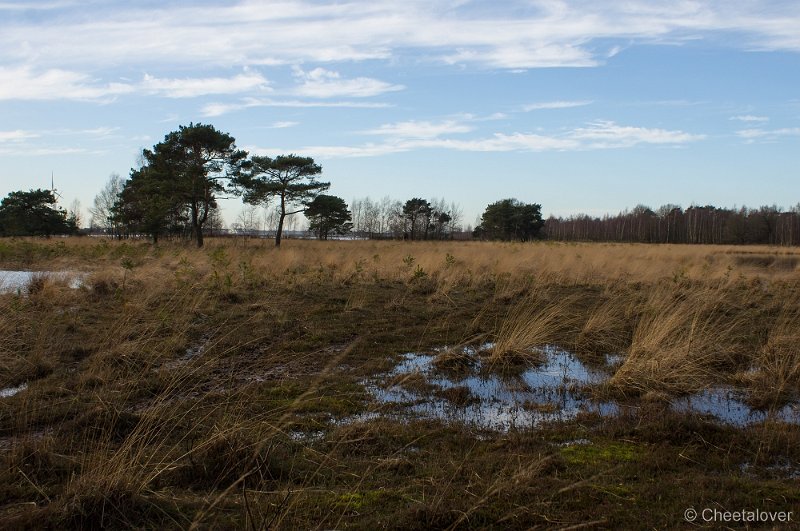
539 319
685 340
774 371
450 262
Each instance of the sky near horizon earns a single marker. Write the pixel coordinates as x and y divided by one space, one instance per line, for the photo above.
578 105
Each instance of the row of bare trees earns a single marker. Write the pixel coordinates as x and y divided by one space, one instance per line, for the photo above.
672 224
414 219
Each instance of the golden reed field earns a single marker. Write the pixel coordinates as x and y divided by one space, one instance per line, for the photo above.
244 386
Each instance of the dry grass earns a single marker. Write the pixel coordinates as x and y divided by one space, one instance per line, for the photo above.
683 341
128 423
537 320
774 373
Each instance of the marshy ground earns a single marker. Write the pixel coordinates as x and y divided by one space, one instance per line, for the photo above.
395 384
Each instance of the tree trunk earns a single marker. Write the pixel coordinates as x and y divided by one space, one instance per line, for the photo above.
196 227
280 229
199 232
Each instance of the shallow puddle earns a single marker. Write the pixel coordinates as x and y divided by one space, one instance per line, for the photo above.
555 390
545 393
728 406
11 391
11 281
781 468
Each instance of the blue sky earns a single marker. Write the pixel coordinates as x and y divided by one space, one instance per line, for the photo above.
579 105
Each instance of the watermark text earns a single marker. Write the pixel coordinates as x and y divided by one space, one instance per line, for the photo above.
743 515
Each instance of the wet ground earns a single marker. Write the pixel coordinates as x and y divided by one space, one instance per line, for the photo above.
558 389
11 391
11 281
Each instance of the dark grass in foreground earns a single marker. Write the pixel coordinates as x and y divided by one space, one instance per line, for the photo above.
210 389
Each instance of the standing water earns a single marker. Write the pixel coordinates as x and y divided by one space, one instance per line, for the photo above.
555 390
18 281
548 392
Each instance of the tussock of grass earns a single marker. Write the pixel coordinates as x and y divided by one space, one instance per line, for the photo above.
608 328
774 376
683 341
455 361
539 319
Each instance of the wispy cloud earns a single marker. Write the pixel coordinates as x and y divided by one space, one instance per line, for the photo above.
749 118
218 109
606 134
415 130
24 83
322 83
410 136
47 151
46 142
96 132
283 125
16 136
766 135
555 105
30 6
193 87
517 35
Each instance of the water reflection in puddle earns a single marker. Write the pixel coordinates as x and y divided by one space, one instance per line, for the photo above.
556 390
11 281
728 405
546 393
11 391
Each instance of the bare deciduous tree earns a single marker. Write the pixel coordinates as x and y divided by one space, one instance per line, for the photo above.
101 215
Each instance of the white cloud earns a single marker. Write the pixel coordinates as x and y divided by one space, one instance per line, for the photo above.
767 135
43 142
322 83
751 133
99 132
367 150
193 87
409 136
16 136
218 109
555 105
606 134
413 129
750 118
502 142
513 35
30 6
23 83
283 125
522 57
47 151
498 142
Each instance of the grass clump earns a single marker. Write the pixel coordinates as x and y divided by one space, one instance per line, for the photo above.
455 361
684 341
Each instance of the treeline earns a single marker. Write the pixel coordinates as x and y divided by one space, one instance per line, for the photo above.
414 219
174 193
671 224
365 218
